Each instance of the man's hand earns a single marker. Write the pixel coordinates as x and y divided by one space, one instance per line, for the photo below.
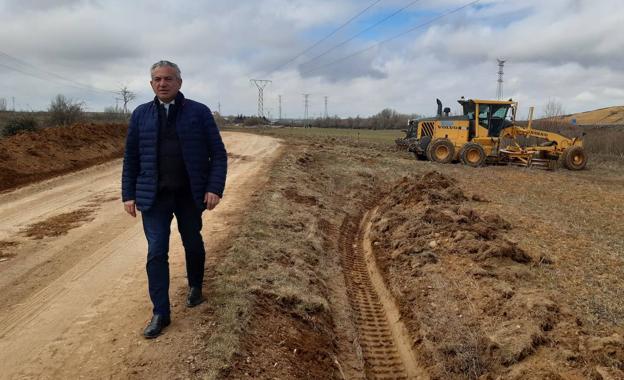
211 200
130 208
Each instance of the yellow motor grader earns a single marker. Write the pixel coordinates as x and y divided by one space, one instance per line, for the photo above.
487 132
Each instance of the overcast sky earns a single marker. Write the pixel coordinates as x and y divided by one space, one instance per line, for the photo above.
571 51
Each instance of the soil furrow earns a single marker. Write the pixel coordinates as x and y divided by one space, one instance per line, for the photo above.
386 346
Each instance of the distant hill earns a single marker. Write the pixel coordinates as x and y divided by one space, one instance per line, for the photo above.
602 116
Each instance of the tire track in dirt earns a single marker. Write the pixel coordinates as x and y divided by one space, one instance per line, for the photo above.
386 345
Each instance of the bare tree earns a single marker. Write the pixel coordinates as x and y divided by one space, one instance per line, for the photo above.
127 96
553 110
552 116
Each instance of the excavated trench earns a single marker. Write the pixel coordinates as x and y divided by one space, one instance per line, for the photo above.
385 343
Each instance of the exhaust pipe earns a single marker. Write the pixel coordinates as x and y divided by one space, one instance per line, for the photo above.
439 107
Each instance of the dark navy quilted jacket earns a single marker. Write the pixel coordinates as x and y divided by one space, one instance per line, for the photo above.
204 154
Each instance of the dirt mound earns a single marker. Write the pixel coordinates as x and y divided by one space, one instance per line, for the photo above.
467 291
443 223
34 156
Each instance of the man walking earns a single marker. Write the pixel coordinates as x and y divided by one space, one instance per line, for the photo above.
175 163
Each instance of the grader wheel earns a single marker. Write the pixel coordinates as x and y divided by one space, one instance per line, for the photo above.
441 150
420 156
574 158
472 155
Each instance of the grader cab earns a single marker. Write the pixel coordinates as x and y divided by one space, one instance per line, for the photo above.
487 132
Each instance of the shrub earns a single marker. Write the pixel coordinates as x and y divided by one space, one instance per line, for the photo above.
64 111
255 120
18 125
219 120
114 114
605 141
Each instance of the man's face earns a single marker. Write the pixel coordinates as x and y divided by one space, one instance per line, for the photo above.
165 83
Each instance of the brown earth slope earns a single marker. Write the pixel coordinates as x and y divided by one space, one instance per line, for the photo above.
602 116
33 156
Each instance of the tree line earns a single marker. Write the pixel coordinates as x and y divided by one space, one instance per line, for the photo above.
385 119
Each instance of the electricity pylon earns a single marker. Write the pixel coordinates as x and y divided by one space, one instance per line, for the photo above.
261 84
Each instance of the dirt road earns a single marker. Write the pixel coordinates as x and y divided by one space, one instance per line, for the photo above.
72 281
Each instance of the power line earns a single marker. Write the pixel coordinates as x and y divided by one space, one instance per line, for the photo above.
39 76
24 63
74 83
360 33
448 13
326 37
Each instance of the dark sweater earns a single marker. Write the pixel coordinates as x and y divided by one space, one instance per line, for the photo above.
172 174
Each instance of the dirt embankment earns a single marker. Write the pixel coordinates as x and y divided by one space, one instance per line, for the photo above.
34 156
468 293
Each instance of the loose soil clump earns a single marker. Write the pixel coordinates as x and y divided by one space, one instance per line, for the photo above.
300 349
6 248
468 295
59 224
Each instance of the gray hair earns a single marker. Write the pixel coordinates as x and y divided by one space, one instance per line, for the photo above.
166 64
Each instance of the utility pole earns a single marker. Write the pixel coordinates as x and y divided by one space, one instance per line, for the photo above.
326 115
219 107
261 84
279 97
306 102
13 98
499 90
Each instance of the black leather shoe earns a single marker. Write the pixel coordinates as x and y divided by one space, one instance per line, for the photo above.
156 326
194 297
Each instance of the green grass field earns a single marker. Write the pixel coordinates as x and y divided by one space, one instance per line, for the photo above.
364 135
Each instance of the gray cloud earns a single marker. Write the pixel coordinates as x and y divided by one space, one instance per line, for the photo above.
40 5
562 49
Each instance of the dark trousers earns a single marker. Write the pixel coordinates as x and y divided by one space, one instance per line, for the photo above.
157 227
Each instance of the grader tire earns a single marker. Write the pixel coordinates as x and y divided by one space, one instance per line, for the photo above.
420 156
441 150
472 155
574 158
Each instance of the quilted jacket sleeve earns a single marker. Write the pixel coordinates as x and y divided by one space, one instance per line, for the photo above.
131 163
218 157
